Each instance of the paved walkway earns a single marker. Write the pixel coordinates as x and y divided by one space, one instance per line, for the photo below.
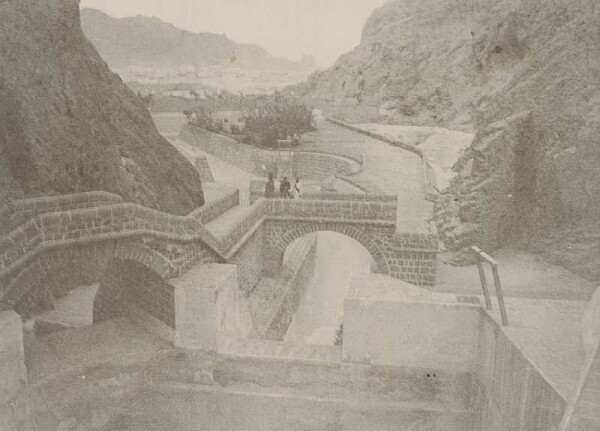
386 169
441 146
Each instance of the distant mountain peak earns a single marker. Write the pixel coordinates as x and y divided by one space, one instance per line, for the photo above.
150 42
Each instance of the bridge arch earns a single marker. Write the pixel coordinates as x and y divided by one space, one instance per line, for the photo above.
276 251
57 271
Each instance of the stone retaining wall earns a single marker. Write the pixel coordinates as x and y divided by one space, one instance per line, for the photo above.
276 299
299 267
259 161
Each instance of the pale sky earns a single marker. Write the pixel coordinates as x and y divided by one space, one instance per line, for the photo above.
286 28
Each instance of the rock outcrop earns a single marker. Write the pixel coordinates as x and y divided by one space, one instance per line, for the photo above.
524 76
68 124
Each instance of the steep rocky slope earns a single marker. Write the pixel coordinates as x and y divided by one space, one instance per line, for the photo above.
524 75
150 42
67 123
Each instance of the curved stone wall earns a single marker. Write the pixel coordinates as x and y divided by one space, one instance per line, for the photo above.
258 161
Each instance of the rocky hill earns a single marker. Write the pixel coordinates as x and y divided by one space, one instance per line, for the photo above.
67 123
523 75
150 42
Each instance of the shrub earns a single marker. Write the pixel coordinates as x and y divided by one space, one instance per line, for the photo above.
267 118
235 130
277 118
339 335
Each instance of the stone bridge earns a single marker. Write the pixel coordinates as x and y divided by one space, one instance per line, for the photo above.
54 244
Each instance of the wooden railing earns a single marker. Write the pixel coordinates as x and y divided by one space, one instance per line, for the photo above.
481 258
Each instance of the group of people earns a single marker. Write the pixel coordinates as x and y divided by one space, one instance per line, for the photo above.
287 190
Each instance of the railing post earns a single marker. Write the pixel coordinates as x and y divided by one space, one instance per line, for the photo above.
499 295
481 256
484 286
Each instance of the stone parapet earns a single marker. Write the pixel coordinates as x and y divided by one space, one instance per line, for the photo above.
212 210
18 212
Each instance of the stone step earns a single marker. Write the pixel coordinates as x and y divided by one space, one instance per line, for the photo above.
278 349
223 224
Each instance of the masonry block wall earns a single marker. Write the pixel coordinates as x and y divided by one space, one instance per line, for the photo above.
246 157
412 257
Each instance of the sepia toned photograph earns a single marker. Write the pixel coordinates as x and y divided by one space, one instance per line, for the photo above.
299 215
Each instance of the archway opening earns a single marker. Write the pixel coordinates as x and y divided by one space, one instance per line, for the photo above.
94 310
319 314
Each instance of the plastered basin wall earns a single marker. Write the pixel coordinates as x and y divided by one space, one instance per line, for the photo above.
209 308
516 396
259 161
389 322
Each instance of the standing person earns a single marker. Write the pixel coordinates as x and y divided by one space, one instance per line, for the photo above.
270 187
297 191
284 188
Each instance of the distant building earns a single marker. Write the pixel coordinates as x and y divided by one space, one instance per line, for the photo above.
231 121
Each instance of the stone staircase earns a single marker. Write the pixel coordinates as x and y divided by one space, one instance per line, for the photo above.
223 224
281 350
